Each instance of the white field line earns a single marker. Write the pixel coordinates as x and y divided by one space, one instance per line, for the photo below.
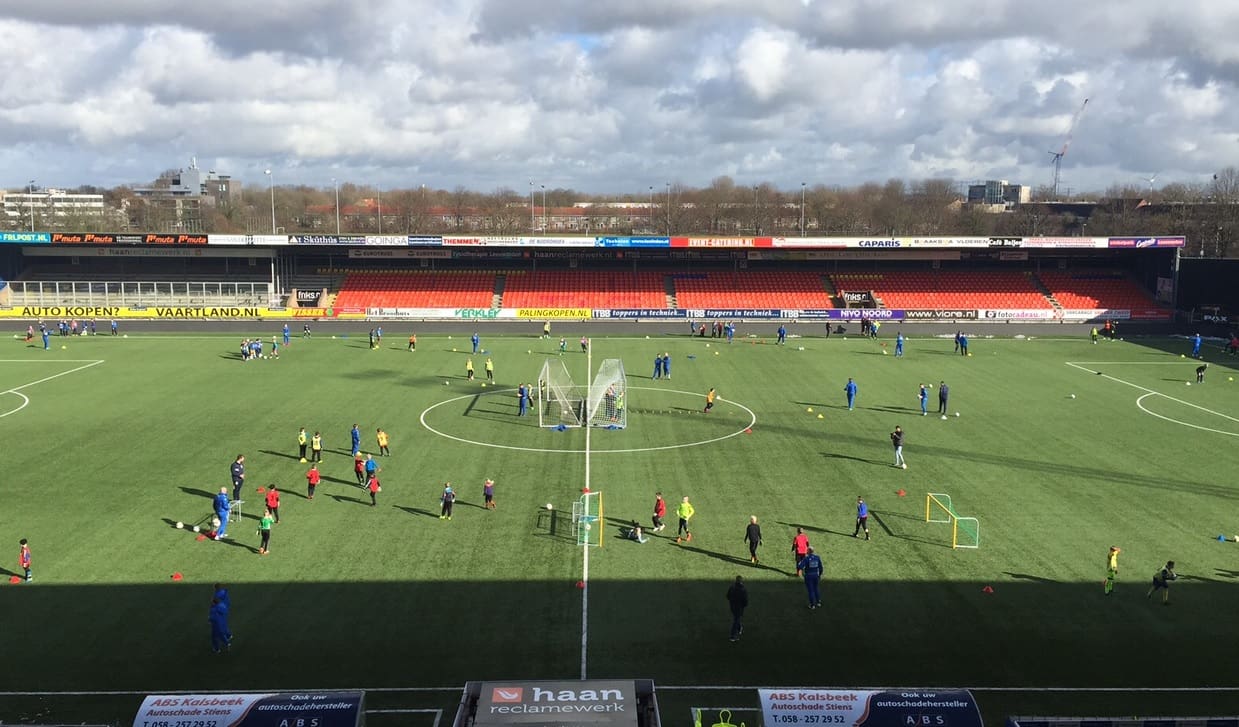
16 390
1158 393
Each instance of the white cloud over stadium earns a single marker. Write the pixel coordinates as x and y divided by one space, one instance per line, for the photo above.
616 97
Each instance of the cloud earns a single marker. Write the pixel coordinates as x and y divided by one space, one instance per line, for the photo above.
616 97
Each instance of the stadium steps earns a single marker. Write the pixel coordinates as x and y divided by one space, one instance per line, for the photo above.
669 287
1044 290
496 300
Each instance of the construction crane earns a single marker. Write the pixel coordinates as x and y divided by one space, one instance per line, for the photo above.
1058 155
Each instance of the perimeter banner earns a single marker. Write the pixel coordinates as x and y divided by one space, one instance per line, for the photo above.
171 312
870 708
314 709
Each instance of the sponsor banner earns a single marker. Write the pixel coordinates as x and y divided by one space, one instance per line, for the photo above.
837 243
926 314
722 241
604 314
1091 314
247 239
885 255
396 252
487 241
1139 242
551 313
1012 255
944 242
154 311
733 313
391 240
873 314
1030 314
308 298
425 240
858 296
26 238
596 701
1006 241
155 239
327 239
83 238
870 708
1150 314
143 251
289 709
632 241
1065 242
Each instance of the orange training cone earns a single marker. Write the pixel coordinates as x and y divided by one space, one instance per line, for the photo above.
177 576
902 492
987 589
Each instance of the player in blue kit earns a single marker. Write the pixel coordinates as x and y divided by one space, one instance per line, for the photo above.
850 389
287 333
924 397
658 366
899 345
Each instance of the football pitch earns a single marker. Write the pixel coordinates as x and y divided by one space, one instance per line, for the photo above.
1061 449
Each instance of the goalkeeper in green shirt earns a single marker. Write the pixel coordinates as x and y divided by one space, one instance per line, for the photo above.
684 511
264 530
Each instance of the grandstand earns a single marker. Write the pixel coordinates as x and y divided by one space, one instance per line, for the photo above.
948 289
585 289
417 289
752 289
1096 289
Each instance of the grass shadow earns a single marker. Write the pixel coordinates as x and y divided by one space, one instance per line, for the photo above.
1030 577
342 498
728 558
836 455
417 511
816 529
281 454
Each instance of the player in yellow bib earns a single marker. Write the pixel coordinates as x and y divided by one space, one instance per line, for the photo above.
382 439
1112 568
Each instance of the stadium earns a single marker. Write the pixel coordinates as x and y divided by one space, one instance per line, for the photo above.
1077 420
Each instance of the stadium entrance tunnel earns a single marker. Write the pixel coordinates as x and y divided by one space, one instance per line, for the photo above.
658 419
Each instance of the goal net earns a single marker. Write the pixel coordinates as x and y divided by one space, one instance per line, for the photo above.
607 396
587 520
559 398
965 531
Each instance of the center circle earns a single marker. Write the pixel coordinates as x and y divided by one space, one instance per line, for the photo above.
682 445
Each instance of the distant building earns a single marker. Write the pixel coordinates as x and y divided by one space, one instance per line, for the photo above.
49 208
998 194
176 200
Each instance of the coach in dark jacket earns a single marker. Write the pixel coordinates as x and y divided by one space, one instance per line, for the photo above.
738 600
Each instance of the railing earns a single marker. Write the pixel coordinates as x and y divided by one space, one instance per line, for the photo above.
137 293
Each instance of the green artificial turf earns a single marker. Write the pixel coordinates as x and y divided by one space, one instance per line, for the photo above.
102 460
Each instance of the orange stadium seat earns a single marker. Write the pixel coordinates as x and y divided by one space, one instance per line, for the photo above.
947 289
416 289
752 289
584 289
1094 290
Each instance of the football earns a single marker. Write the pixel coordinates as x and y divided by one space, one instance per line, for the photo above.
549 506
905 465
1073 396
944 417
180 525
196 528
956 413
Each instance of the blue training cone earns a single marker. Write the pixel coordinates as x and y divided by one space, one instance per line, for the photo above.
1221 538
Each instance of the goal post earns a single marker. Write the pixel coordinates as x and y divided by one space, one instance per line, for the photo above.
965 531
608 406
587 522
559 398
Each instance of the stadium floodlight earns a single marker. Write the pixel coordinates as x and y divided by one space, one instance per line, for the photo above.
560 400
608 406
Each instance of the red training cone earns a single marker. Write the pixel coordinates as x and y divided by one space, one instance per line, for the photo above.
262 490
15 579
200 537
748 431
177 576
987 589
580 584
902 492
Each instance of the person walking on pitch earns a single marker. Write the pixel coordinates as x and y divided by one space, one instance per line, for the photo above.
446 500
264 532
800 548
1161 582
897 441
737 601
812 568
302 439
660 512
752 536
850 390
1112 567
684 512
862 518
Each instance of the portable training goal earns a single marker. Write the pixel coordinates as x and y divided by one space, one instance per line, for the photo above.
608 405
587 522
965 531
560 400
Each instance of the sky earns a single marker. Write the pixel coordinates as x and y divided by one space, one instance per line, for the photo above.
616 97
